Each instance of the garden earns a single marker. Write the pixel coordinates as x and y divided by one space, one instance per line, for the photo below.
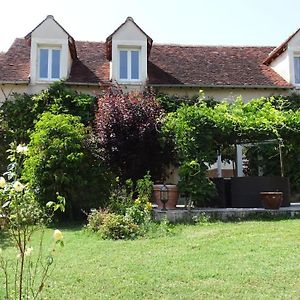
71 158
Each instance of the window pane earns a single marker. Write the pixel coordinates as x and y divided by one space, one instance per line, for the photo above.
297 69
123 65
43 63
134 64
55 64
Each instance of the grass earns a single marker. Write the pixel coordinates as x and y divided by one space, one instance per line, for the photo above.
247 260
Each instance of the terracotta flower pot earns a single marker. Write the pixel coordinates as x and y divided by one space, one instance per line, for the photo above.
173 195
271 200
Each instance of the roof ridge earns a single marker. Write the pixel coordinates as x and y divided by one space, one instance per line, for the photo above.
215 46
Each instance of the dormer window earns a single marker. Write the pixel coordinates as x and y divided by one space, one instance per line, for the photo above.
297 68
129 64
49 63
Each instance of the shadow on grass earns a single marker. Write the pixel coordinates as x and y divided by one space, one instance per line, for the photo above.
5 240
67 226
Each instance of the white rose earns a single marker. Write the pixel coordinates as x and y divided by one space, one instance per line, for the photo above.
19 148
22 149
57 235
18 186
2 182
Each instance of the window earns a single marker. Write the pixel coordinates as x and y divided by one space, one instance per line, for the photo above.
129 68
49 63
297 69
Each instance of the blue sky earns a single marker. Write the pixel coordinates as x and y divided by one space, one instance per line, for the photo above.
198 22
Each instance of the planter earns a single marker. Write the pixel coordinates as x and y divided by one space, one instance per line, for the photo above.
173 194
271 200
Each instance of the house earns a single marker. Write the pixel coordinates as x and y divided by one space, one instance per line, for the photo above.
129 58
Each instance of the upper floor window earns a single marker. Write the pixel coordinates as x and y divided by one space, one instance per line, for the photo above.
49 63
297 69
129 68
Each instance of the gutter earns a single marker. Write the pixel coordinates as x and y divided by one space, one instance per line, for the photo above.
15 82
222 86
81 83
86 84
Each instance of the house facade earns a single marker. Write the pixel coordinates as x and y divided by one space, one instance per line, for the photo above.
130 59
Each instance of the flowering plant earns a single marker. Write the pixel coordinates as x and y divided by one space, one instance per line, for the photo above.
140 211
22 215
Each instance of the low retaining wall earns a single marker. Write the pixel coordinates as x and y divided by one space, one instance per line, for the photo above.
224 214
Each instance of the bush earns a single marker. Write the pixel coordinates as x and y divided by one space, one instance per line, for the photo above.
60 99
19 115
139 212
56 153
118 227
128 128
112 226
121 196
95 220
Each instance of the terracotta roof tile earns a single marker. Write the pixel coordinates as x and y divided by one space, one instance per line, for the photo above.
168 65
211 66
15 64
92 65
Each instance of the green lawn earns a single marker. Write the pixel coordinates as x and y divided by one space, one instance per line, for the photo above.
247 260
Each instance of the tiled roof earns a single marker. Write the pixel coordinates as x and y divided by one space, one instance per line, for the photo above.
168 65
15 64
211 66
92 66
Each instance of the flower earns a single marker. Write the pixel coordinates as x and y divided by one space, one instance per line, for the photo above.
18 186
2 182
148 206
57 235
22 149
137 201
28 251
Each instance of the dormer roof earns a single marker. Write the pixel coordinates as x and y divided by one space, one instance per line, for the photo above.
109 38
71 41
280 49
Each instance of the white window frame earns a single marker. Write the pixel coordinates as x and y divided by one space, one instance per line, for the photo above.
129 50
296 54
49 75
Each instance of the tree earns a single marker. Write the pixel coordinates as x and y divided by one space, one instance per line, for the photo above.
128 125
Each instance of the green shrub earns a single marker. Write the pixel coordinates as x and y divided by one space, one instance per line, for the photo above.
61 99
112 226
139 212
95 219
118 227
121 196
144 187
55 155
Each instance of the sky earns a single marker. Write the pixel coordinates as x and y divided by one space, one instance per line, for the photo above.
189 22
